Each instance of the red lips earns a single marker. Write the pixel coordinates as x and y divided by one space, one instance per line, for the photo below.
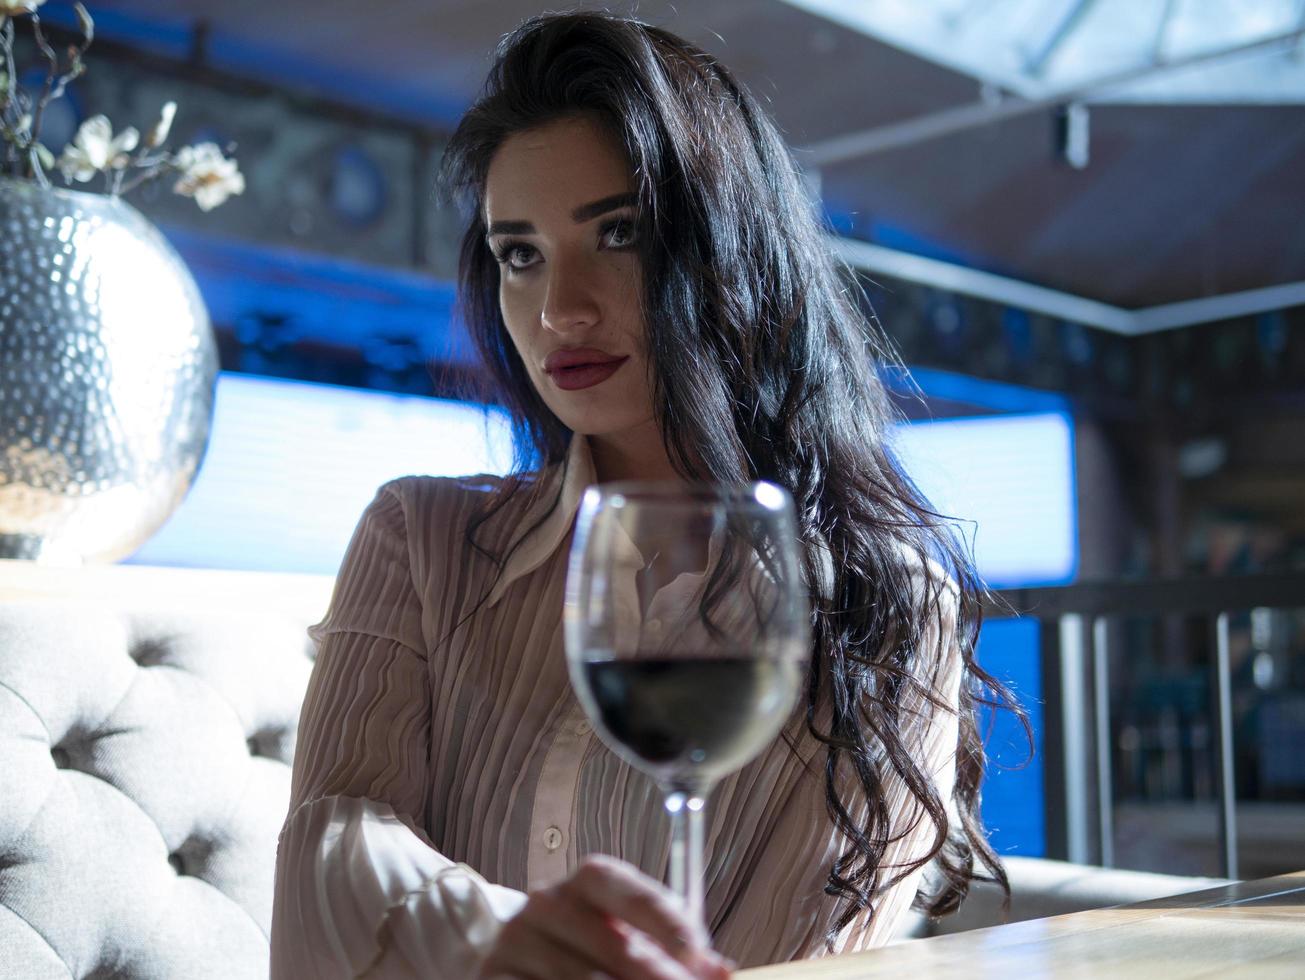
581 367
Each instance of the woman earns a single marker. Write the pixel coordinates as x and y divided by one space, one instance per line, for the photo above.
652 297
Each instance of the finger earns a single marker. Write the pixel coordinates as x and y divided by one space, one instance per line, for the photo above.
611 945
705 965
625 892
523 953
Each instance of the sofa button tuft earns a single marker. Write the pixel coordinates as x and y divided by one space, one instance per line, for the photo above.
148 653
273 742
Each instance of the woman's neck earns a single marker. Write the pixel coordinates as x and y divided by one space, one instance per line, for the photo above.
638 454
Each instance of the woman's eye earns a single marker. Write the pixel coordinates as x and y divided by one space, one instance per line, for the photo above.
619 234
516 255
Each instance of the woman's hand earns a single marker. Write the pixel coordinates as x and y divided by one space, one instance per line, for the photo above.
606 920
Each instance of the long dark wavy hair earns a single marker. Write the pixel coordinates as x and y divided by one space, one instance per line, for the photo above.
764 367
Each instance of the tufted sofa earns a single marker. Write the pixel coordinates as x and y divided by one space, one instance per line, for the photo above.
147 721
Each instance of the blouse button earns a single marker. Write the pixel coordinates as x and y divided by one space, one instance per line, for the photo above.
552 838
584 728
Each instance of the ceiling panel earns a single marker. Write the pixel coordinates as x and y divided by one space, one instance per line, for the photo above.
1176 202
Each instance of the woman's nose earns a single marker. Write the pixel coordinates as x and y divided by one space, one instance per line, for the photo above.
571 301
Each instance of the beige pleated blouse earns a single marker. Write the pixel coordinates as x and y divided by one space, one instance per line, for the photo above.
444 766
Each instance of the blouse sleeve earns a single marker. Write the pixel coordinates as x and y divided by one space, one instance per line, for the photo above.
360 889
782 911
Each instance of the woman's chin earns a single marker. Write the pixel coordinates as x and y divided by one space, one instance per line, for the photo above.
610 422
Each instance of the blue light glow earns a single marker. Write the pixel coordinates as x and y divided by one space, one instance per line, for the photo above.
1009 480
341 302
291 466
1013 811
982 393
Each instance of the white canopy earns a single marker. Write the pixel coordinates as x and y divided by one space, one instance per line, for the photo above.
1036 48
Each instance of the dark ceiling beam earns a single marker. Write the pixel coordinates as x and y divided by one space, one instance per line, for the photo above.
1221 190
910 132
194 64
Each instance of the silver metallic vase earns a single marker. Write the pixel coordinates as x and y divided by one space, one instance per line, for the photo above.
107 372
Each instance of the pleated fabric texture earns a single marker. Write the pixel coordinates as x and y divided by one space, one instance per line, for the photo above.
444 766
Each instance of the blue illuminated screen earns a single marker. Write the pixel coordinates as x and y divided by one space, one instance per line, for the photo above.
1008 480
291 466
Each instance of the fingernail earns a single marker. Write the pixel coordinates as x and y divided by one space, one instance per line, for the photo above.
712 962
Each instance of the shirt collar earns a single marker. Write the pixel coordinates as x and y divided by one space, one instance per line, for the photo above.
575 474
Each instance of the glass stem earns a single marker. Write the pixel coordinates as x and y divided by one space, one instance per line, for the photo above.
685 809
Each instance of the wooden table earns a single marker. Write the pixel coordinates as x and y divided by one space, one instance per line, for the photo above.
1247 929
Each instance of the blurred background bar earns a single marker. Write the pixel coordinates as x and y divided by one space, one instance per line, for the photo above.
1080 221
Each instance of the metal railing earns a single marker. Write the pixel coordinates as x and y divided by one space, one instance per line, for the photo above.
1075 647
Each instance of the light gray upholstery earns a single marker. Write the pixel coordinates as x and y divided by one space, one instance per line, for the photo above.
143 780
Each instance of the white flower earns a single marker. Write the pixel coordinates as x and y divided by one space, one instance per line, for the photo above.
159 134
206 175
16 8
95 149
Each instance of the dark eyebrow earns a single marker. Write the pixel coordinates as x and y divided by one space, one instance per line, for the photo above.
585 212
510 228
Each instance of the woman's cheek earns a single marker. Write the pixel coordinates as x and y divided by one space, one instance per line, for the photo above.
517 320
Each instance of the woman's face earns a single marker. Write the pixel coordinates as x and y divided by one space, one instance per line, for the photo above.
560 213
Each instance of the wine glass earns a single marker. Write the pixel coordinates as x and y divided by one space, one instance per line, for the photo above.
687 636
